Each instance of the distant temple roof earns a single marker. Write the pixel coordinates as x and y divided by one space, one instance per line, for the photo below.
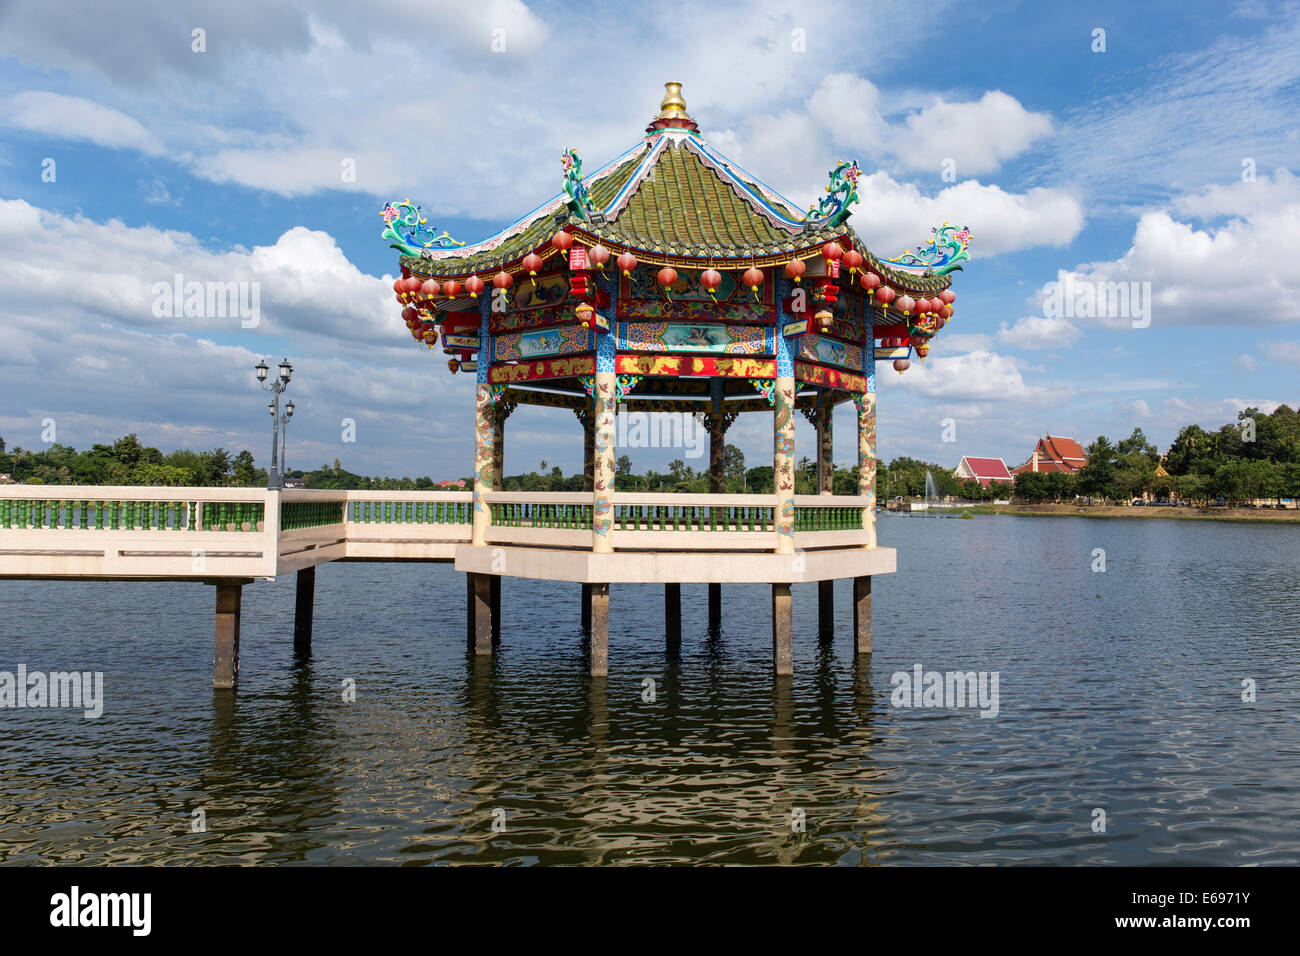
984 470
1054 453
674 200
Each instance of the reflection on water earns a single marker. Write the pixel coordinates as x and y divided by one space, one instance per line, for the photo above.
1119 690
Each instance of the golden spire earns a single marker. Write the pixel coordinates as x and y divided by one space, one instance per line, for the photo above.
672 111
673 106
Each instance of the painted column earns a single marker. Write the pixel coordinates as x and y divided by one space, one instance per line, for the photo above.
825 486
825 435
498 443
867 430
484 430
783 439
717 459
605 396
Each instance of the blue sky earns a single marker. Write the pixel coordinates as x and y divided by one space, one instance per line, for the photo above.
226 165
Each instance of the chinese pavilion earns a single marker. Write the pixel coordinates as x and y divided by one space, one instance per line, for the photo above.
672 280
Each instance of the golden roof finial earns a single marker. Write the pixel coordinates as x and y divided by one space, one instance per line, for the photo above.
673 106
672 112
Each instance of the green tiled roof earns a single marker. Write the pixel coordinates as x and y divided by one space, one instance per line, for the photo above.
682 209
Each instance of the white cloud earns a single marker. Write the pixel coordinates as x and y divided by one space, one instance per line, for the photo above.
1036 332
72 117
975 376
979 136
1246 363
1288 352
1243 272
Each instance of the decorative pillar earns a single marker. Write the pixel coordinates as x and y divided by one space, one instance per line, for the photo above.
867 464
783 460
302 612
718 423
825 486
499 413
602 514
484 431
225 662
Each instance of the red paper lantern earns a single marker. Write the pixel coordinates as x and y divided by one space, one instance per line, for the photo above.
503 280
562 240
753 277
598 255
906 304
870 282
948 296
885 295
451 287
946 312
794 269
832 250
410 315
627 262
474 285
922 306
667 277
710 279
430 289
854 260
411 285
532 262
399 286
901 365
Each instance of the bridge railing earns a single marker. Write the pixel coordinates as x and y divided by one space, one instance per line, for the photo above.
94 531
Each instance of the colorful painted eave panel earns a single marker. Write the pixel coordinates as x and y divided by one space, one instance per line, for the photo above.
695 365
544 369
828 377
695 337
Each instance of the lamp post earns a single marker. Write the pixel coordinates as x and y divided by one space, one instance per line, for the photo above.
277 385
284 438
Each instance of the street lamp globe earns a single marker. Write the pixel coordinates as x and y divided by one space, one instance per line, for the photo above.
288 409
262 369
270 407
285 370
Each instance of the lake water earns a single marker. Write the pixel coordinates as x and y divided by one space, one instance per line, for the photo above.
1119 691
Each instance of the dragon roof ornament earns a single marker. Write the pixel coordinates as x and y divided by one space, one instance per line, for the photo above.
942 253
409 232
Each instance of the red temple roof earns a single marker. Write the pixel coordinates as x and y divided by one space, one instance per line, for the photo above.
1054 453
984 470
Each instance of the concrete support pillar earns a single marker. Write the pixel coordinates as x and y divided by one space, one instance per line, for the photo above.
469 608
484 458
494 595
225 663
673 616
303 610
599 630
715 608
867 464
862 615
482 613
782 630
825 610
586 609
602 515
783 462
